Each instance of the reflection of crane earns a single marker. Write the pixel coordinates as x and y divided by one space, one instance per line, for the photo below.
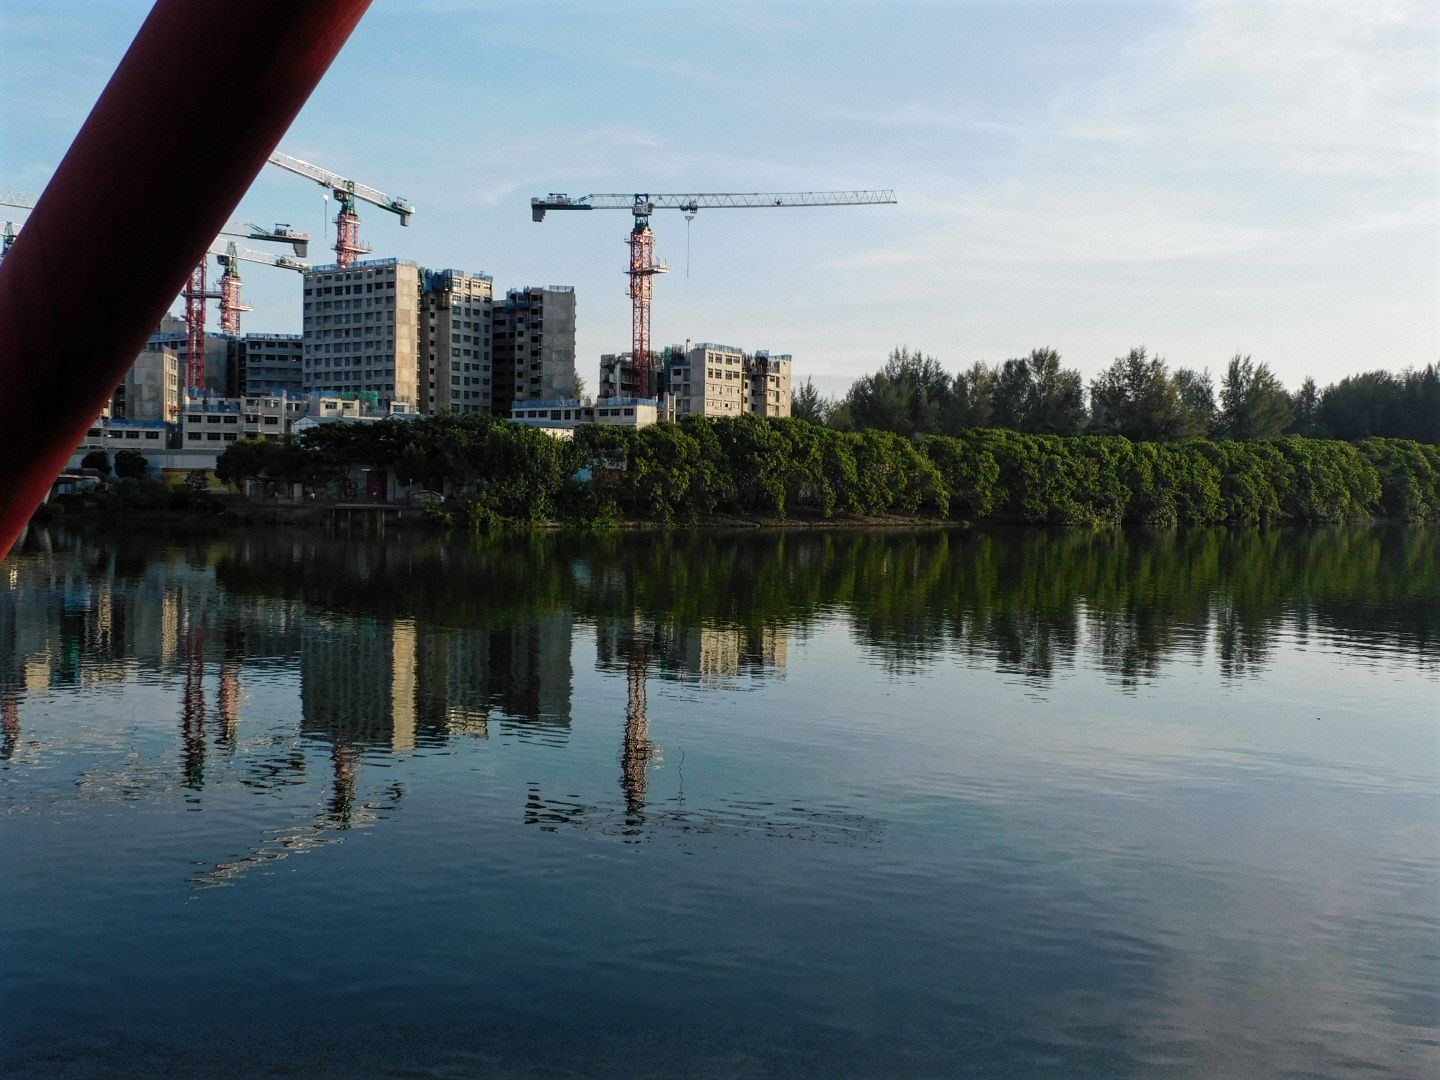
638 751
192 706
346 191
643 266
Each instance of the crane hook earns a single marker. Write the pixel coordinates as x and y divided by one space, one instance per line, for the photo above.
690 212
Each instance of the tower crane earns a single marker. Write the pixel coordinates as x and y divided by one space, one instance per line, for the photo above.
228 293
195 292
641 241
346 192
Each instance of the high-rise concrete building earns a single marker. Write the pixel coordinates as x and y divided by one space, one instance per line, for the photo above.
151 390
455 354
619 377
270 364
710 381
362 330
533 346
221 376
722 380
768 379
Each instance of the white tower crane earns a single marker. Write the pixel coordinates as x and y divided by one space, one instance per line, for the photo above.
346 191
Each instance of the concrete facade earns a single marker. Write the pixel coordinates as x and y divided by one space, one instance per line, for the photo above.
271 364
147 436
151 390
221 376
768 379
568 413
533 346
455 346
362 329
722 380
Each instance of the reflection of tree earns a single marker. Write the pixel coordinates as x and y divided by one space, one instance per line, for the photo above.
1026 601
345 763
9 723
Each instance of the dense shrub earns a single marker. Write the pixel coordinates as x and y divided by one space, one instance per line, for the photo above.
494 472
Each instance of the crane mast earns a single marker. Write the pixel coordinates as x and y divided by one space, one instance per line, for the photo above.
228 293
346 191
641 241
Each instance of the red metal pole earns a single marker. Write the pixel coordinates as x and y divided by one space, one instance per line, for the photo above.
154 159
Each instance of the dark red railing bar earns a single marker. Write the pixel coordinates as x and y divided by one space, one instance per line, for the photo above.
199 101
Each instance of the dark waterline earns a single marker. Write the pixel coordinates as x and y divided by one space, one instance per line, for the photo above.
818 804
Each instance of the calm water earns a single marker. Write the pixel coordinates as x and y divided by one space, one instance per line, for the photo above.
830 805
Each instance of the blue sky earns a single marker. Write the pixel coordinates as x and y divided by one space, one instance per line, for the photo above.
1199 177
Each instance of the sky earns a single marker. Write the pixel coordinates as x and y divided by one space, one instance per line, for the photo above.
1202 178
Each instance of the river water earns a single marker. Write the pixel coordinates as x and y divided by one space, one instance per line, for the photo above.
816 804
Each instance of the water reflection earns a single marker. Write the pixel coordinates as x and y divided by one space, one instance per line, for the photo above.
1003 852
401 643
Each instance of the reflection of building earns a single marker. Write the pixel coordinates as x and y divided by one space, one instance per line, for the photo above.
358 681
706 652
371 682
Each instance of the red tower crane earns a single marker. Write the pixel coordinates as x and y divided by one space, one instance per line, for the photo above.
641 240
346 191
195 292
231 306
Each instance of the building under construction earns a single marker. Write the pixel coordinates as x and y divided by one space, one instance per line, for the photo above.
704 379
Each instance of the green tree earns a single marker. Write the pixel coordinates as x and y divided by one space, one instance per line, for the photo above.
807 403
907 396
98 460
1136 397
1253 404
1010 397
1361 406
1197 399
1056 401
130 464
1305 410
972 400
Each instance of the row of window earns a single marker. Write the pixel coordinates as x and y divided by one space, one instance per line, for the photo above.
115 433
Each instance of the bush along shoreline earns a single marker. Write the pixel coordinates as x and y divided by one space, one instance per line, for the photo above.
489 473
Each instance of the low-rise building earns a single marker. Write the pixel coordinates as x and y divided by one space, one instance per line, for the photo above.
566 414
116 433
212 423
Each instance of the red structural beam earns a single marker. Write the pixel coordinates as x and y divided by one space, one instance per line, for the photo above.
155 159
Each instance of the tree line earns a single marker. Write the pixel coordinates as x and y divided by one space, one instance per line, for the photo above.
485 472
1138 396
